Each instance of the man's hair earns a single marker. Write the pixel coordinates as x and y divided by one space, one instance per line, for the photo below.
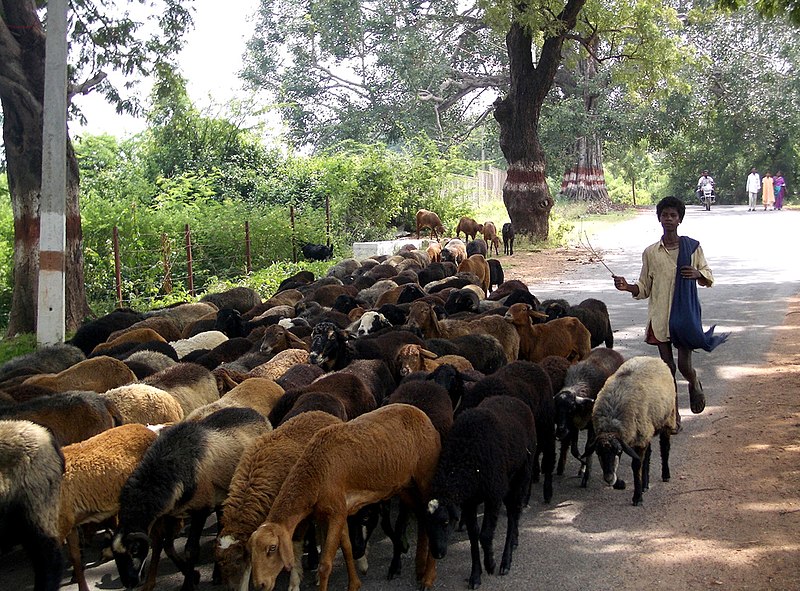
672 202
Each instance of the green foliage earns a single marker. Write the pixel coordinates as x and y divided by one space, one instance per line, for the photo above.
16 346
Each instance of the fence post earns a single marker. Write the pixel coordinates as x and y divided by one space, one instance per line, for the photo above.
248 263
294 240
166 250
117 267
328 219
189 259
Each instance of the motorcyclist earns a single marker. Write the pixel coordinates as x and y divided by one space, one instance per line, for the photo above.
702 182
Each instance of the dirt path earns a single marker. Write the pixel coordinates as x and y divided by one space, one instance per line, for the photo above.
733 516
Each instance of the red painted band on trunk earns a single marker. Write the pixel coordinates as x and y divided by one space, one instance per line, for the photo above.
51 260
525 176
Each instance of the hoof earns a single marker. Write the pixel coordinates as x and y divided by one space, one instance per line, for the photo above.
619 485
665 479
637 503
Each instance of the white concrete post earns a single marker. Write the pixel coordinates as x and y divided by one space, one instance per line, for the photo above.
52 223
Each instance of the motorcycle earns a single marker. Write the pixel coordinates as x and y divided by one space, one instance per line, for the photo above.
706 195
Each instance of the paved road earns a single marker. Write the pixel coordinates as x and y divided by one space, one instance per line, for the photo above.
583 539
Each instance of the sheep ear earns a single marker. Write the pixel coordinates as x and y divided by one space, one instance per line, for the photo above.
286 550
585 405
630 451
428 354
535 314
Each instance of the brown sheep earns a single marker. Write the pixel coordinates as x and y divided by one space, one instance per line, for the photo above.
411 358
260 394
434 251
490 235
166 327
428 219
137 335
192 385
422 316
94 473
97 374
277 339
277 366
185 314
569 338
334 478
254 486
477 265
469 226
143 404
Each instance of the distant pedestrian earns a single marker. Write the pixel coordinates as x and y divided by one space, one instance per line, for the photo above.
767 191
753 187
780 190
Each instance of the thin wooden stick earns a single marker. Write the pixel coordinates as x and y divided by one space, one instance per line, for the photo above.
597 256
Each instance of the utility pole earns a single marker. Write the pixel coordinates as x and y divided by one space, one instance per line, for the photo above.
50 317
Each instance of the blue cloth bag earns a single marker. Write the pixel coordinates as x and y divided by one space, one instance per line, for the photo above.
685 325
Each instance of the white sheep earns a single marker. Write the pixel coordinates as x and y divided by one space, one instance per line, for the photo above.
204 340
635 403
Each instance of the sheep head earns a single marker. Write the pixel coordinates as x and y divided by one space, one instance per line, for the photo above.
442 517
271 550
522 314
326 339
132 552
233 559
609 448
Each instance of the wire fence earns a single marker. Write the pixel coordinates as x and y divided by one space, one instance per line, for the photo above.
150 267
485 186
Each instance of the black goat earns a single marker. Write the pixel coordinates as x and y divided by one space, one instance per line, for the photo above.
508 238
317 252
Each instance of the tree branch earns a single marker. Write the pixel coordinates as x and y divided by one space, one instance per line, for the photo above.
86 86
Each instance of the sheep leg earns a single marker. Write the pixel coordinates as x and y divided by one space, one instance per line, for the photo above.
74 548
296 575
425 563
197 523
470 516
491 513
399 544
548 463
562 456
45 555
646 469
664 445
309 536
636 466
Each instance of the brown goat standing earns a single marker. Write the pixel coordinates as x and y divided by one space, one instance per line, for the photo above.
569 338
490 235
469 226
428 219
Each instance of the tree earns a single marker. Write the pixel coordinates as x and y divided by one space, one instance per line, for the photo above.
102 36
525 193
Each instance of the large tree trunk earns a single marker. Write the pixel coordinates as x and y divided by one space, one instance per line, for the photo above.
584 179
525 193
22 95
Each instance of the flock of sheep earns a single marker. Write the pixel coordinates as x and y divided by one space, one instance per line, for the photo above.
394 388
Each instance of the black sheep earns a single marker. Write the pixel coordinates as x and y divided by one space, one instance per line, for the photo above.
529 382
299 278
433 272
592 313
508 238
299 375
496 274
344 303
230 350
91 334
239 298
483 351
462 300
317 252
409 293
477 246
486 458
348 388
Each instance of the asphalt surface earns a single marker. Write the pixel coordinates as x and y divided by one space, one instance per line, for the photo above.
585 536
